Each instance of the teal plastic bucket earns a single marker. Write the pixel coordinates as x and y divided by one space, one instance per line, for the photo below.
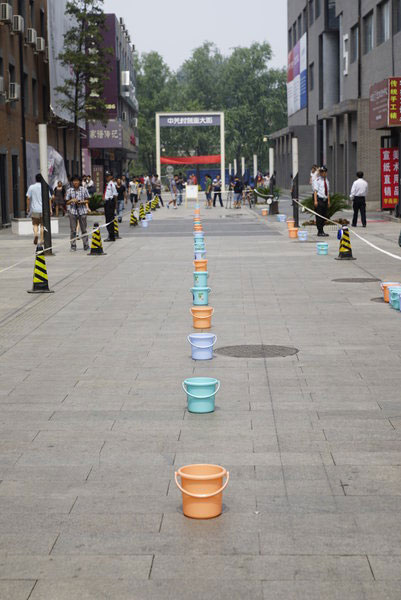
281 218
199 246
200 279
200 254
202 345
201 394
201 296
199 235
322 248
302 235
394 293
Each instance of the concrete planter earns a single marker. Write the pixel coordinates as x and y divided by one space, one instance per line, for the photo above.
24 226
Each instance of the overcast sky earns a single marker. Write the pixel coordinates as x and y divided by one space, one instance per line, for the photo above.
175 27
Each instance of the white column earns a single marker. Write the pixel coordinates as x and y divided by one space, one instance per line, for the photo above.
44 167
255 165
158 160
223 151
235 167
242 165
295 167
271 161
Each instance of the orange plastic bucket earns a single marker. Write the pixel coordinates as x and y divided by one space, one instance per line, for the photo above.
202 490
197 211
293 233
198 228
201 264
264 212
384 286
290 223
202 316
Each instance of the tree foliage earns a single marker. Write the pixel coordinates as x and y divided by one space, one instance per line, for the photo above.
242 84
88 63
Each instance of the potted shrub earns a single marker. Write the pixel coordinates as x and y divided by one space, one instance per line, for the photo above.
338 203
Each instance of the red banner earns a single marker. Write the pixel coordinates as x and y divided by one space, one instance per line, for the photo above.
394 111
390 177
190 160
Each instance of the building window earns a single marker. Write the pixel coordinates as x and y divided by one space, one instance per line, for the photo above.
34 97
21 9
317 9
311 76
290 40
354 43
311 12
26 94
11 73
299 27
368 33
32 12
332 20
294 34
305 20
397 16
383 22
42 23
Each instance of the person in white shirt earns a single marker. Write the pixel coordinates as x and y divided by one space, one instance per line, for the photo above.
359 191
133 191
314 174
34 208
321 194
110 197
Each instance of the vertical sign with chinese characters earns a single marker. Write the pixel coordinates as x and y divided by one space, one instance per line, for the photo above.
97 176
394 112
390 177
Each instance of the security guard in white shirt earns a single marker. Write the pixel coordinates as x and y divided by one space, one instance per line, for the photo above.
359 191
110 195
321 193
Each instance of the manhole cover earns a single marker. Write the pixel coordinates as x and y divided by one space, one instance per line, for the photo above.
380 300
234 216
356 280
255 351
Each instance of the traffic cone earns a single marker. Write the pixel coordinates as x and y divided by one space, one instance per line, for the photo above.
345 252
96 245
153 206
116 230
133 220
40 280
142 216
147 208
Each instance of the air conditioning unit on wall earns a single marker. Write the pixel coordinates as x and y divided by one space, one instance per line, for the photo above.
123 116
18 24
40 44
2 85
31 36
6 12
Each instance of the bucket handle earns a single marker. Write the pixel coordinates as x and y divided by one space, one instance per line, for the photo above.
209 290
205 317
200 397
203 347
202 495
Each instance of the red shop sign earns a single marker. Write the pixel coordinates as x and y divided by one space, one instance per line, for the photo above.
390 177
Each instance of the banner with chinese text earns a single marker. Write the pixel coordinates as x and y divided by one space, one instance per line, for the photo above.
390 177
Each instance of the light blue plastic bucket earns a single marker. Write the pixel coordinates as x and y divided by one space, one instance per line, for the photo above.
201 393
199 235
200 279
322 248
394 293
201 296
302 235
282 218
202 345
200 254
144 223
199 246
149 217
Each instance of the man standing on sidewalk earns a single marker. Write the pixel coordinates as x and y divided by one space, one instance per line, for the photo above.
110 195
77 199
217 190
359 191
321 192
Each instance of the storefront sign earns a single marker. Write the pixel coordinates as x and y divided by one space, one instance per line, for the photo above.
190 121
97 176
110 136
385 104
390 177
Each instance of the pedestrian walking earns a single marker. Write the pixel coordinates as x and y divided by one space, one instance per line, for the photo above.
59 198
238 190
217 190
121 199
110 197
180 189
208 191
174 192
77 200
321 193
157 188
35 208
133 191
148 187
359 191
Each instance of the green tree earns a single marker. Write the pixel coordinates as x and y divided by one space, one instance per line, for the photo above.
88 62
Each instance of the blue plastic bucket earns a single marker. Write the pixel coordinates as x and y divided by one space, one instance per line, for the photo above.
302 235
201 392
199 246
199 235
395 297
200 279
282 218
201 296
322 248
202 345
200 254
149 217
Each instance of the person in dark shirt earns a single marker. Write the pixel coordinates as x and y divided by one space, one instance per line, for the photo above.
238 189
121 198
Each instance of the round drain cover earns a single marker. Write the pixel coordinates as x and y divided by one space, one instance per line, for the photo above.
380 300
257 351
356 280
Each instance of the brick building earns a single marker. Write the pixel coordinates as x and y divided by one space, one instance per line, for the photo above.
338 50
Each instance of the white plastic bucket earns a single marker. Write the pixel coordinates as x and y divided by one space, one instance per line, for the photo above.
202 345
144 223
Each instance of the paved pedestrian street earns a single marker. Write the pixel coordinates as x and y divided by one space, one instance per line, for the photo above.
93 419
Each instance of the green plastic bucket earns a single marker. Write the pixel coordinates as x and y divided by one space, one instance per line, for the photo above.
201 392
201 296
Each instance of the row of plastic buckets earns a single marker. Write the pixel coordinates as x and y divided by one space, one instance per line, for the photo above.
391 293
201 485
322 248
